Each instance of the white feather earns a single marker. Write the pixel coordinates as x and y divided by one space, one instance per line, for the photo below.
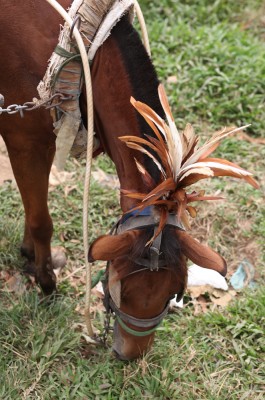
212 164
216 138
202 171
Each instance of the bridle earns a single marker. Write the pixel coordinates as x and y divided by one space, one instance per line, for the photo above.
153 262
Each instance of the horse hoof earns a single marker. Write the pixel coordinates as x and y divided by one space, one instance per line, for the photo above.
48 287
46 279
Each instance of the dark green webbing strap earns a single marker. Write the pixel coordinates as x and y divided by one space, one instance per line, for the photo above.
69 57
62 52
97 278
133 331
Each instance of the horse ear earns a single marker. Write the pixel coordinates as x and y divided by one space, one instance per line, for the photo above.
108 247
200 254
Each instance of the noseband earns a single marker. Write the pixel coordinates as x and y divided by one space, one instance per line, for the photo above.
153 262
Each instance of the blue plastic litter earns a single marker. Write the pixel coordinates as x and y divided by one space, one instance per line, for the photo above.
243 276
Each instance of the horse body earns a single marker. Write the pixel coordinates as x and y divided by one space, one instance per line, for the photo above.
121 68
29 33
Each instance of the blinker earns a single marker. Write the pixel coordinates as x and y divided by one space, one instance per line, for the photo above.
142 220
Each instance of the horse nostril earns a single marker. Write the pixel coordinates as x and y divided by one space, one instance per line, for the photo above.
116 354
119 356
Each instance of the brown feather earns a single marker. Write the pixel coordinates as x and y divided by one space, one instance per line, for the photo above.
164 101
163 154
161 225
146 177
133 195
189 140
185 220
136 139
136 146
202 198
163 188
147 112
191 151
216 138
222 161
210 150
248 179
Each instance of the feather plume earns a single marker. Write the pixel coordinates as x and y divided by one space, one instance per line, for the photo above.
136 146
217 137
173 138
180 161
149 115
147 179
189 141
161 225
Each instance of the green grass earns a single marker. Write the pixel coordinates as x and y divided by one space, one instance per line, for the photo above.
221 357
216 51
219 64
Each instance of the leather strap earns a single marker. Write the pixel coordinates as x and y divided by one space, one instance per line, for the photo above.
138 322
155 251
142 221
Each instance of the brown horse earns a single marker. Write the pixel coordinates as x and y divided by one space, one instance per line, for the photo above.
121 69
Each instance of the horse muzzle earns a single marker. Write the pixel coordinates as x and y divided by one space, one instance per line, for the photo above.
127 347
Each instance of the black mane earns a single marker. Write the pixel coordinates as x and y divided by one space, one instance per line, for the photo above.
142 76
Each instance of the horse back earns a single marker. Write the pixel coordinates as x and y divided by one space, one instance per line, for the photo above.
29 32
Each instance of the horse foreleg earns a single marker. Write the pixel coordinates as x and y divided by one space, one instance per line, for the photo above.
27 247
31 166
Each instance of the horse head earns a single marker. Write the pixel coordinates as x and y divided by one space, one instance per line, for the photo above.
142 279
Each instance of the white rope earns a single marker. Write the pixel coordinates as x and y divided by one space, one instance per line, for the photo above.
143 27
90 132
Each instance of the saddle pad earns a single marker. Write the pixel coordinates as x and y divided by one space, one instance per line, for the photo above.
64 74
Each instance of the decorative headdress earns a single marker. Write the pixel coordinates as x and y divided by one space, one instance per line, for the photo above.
180 161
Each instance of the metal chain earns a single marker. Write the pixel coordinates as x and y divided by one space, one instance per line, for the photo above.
31 105
107 327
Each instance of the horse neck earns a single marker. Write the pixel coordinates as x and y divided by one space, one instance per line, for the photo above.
122 69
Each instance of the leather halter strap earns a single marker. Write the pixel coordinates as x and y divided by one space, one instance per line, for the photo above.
124 319
147 220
